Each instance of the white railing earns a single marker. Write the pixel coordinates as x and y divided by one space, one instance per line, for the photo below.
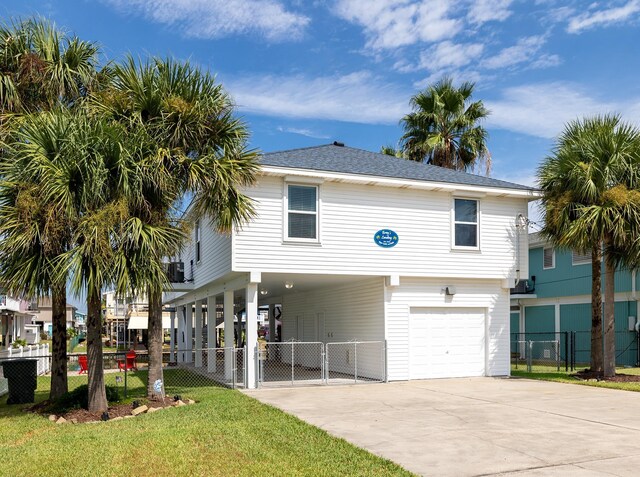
41 352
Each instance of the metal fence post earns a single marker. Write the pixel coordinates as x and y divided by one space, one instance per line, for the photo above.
355 362
566 351
529 353
292 358
558 355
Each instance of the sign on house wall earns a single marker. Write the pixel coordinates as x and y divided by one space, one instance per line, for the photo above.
386 238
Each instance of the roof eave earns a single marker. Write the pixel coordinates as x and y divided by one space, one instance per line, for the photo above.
529 194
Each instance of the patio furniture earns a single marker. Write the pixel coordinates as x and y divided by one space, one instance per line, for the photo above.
129 362
82 361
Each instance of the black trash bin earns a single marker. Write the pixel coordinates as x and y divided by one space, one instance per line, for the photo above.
22 377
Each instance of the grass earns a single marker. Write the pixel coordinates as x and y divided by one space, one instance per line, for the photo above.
565 377
226 434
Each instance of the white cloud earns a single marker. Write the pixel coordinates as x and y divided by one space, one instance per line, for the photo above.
450 55
302 132
604 17
357 97
483 11
523 51
543 109
391 24
215 19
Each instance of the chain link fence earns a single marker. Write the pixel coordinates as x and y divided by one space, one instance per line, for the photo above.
543 356
294 363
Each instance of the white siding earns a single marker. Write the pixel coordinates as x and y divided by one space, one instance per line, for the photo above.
349 312
427 293
215 256
351 214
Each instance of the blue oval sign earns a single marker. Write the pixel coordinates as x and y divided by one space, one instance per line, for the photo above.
386 238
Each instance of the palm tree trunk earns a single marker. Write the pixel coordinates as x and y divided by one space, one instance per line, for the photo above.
155 340
59 384
596 308
97 393
609 320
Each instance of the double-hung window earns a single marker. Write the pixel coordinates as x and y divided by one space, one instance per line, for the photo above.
465 223
197 241
302 212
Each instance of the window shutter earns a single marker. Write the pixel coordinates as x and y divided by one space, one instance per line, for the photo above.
579 258
548 259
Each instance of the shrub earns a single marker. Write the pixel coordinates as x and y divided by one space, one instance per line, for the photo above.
79 398
44 335
17 343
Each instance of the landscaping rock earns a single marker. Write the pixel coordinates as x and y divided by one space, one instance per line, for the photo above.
153 409
74 421
61 420
139 410
118 418
129 416
53 418
179 403
190 401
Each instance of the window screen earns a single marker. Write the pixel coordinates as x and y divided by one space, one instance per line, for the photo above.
302 212
466 223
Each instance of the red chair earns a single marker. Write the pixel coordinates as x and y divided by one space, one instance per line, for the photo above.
129 363
82 361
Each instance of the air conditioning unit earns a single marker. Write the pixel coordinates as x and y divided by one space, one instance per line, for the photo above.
175 272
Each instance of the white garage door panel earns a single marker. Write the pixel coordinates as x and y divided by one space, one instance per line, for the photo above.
446 343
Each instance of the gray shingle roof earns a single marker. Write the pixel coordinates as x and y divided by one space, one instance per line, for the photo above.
349 160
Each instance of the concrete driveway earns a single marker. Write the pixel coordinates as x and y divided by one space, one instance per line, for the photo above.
479 426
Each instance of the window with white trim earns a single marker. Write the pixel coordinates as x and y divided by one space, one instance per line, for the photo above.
302 212
580 258
465 223
197 241
548 258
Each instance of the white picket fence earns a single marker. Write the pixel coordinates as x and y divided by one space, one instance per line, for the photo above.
31 351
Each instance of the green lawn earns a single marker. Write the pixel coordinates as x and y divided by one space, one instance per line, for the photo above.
226 433
564 377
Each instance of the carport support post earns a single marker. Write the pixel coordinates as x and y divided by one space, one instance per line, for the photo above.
251 333
228 335
188 332
198 345
172 339
211 334
181 338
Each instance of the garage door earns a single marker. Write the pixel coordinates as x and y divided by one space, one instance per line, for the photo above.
446 343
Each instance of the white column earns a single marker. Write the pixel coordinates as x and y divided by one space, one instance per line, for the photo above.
189 332
181 337
251 333
228 334
272 322
198 341
172 342
211 334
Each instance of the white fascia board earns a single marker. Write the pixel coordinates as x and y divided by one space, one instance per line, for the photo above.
402 183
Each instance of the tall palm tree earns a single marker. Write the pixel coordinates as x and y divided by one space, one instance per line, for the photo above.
40 68
198 150
443 128
591 202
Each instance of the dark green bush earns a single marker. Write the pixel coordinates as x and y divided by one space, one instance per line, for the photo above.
79 399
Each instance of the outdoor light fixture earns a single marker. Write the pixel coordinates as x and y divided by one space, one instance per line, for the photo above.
263 292
288 285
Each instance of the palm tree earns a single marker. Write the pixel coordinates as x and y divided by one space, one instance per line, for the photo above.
391 151
197 150
592 202
40 68
443 128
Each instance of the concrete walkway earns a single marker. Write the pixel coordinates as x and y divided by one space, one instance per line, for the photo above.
479 426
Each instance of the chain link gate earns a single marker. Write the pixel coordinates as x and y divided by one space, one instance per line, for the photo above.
293 363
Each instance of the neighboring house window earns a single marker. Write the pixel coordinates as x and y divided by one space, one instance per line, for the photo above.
197 240
466 223
302 212
549 258
579 258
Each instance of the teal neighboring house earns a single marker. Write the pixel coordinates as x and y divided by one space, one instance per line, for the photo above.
557 298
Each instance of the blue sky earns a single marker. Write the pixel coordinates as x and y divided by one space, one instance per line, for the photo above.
310 72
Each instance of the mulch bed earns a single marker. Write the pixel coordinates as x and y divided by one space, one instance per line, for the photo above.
587 375
115 410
